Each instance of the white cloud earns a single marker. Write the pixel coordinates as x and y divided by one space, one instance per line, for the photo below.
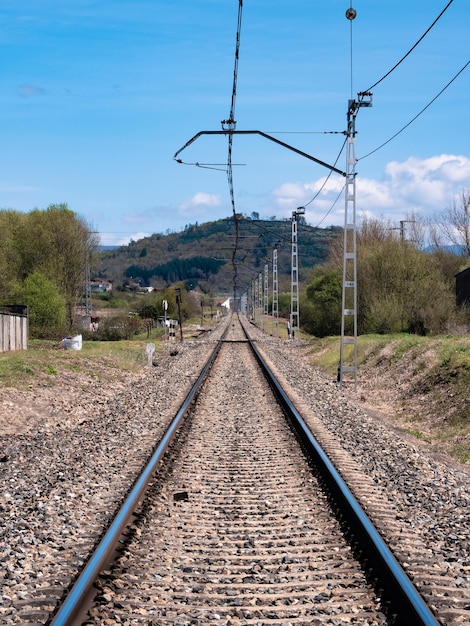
199 204
111 239
422 186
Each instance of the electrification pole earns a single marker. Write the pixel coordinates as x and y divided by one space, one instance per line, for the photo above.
275 307
266 290
349 291
294 293
260 298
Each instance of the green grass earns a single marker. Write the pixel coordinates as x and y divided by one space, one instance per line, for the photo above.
435 372
20 368
415 433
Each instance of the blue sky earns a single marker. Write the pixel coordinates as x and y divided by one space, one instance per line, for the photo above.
97 96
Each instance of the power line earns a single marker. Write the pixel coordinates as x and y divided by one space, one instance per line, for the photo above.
418 114
411 49
351 14
326 179
332 207
230 124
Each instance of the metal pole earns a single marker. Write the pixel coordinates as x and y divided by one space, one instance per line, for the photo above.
266 291
275 308
178 302
294 298
349 291
260 297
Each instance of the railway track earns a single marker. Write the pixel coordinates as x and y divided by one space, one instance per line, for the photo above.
236 526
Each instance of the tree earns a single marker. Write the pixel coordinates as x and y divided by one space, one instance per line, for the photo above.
60 245
454 224
9 258
46 306
320 310
400 288
149 311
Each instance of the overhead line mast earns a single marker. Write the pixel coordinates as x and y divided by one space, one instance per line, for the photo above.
348 365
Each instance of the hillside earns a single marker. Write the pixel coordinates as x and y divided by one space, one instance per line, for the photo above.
201 255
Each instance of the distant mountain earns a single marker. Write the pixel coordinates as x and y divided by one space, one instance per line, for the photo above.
104 248
202 254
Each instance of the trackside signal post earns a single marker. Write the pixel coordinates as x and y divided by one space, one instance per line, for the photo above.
348 365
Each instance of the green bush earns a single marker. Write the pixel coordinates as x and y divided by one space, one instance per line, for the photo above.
47 310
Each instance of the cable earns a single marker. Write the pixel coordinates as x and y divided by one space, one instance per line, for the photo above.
230 124
351 51
209 166
306 132
326 179
271 232
332 207
416 116
411 49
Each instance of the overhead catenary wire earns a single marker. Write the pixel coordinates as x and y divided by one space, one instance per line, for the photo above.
230 124
410 50
351 51
417 115
331 207
326 179
351 14
368 90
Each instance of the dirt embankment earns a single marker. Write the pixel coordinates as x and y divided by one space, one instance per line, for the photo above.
423 390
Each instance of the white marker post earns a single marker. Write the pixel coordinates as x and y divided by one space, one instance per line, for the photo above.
150 349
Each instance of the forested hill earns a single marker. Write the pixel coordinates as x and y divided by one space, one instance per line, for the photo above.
202 254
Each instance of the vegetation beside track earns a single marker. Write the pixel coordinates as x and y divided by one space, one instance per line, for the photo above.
421 384
46 362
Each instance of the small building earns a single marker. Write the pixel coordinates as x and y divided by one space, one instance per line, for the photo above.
462 287
99 285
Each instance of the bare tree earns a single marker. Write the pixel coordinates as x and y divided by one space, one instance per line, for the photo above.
454 223
415 230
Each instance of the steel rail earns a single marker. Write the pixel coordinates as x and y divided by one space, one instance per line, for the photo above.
411 607
74 600
398 588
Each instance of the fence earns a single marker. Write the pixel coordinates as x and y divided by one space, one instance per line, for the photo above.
13 331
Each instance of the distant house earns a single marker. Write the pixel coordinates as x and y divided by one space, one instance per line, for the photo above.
462 287
98 285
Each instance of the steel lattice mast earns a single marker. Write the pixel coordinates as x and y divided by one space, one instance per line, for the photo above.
275 307
294 298
348 365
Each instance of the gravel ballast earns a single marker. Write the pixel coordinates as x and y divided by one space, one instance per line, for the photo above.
68 473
